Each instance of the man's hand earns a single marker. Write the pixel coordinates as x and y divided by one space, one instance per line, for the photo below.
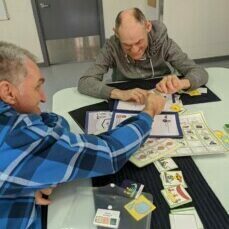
137 95
40 200
171 84
154 104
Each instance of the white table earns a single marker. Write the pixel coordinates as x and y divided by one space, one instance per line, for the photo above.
213 167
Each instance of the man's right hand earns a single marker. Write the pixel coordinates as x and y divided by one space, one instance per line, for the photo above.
154 104
137 95
40 200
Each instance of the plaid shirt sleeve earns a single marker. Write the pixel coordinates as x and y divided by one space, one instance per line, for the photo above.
40 151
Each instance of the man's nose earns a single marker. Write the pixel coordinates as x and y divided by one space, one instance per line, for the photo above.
43 97
135 48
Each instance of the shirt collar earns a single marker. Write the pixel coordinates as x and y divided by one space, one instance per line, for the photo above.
4 107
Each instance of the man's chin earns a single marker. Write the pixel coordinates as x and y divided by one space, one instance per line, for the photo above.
137 57
38 111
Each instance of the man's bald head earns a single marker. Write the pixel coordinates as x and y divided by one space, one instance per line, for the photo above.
129 16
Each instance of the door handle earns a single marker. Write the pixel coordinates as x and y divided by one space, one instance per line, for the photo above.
43 5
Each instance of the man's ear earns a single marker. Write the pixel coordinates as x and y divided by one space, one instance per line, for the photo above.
7 92
148 25
115 32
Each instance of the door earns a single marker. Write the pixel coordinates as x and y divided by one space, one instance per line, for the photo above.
69 29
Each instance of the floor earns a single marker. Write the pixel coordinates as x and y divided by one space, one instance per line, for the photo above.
67 75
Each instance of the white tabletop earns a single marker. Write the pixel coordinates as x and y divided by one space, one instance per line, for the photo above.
213 167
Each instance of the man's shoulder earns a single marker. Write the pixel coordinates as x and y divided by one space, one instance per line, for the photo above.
157 36
112 48
112 41
158 28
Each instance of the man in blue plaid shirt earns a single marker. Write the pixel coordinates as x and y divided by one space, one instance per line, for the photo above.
38 151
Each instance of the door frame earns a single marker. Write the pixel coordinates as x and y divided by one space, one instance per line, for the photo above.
40 30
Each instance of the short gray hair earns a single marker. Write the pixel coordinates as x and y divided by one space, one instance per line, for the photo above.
12 59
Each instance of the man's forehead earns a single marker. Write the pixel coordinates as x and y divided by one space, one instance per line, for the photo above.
131 32
34 72
131 38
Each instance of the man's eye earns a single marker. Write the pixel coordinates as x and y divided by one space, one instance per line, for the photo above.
127 47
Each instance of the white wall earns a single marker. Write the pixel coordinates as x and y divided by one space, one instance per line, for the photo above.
200 27
112 7
21 29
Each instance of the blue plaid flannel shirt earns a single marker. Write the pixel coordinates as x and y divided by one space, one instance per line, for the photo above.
39 151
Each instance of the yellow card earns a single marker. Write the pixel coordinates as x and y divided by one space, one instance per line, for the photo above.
140 207
194 93
219 134
175 107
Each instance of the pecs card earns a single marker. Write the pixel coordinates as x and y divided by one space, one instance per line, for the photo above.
172 178
107 218
165 164
139 208
176 196
132 189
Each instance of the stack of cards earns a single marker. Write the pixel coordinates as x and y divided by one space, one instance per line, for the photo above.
176 196
165 164
196 92
172 178
185 218
107 218
139 208
153 150
132 189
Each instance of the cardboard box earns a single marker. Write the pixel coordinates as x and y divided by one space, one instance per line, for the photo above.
152 3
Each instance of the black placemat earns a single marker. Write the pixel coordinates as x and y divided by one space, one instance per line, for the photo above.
210 210
210 96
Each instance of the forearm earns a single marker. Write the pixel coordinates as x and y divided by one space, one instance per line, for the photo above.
197 78
93 87
185 84
116 94
127 138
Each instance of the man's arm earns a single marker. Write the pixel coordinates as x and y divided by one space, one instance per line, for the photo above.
91 82
195 75
44 156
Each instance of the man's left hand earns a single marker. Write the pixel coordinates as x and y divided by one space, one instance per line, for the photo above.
40 200
171 84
